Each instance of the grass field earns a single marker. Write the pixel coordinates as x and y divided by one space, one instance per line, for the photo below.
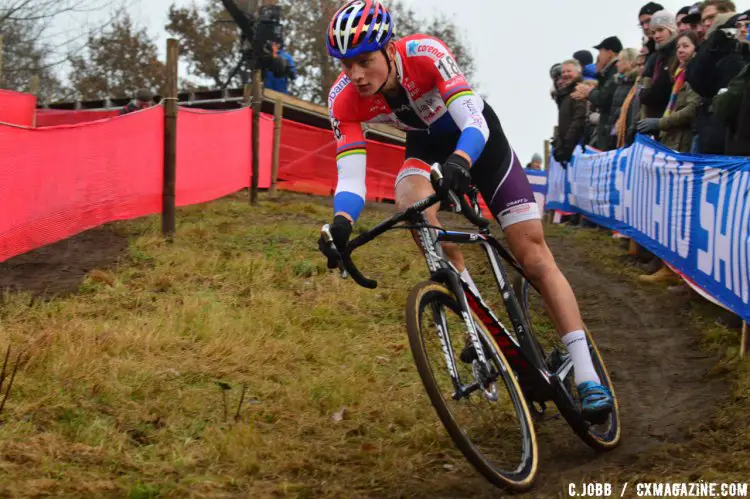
131 386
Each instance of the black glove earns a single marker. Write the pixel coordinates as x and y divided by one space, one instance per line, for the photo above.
562 156
456 176
341 229
648 126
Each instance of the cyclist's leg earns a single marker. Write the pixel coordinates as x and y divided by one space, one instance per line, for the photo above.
412 185
504 186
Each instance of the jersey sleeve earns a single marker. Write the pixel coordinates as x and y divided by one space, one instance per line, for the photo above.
464 106
351 162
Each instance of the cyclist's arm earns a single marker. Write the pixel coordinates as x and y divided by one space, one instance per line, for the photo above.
464 106
351 157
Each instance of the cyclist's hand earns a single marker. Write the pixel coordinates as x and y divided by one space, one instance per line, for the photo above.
456 176
341 229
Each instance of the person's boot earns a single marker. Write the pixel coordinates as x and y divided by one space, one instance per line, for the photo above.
662 275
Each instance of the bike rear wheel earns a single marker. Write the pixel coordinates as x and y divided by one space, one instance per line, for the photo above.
602 436
501 443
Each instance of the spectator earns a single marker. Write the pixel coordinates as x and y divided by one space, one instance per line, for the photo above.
536 163
572 114
709 10
732 107
631 109
602 96
658 88
718 61
682 26
624 81
282 70
675 128
555 73
644 19
144 98
587 63
693 18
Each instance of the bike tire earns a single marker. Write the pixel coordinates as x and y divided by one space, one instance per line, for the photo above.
600 440
520 479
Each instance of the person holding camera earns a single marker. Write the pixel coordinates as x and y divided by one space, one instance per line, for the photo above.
718 61
281 71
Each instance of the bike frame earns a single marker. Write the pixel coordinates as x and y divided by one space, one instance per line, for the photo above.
522 353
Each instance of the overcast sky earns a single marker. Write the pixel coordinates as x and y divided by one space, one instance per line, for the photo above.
514 44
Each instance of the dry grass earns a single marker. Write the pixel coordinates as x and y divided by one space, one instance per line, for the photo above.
122 389
121 393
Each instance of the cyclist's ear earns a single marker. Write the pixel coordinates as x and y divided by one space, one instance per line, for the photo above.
391 49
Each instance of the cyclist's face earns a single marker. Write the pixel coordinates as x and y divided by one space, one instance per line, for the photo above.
366 71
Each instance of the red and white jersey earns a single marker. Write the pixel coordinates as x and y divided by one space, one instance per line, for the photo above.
441 101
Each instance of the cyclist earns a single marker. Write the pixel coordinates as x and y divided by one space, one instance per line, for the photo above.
414 84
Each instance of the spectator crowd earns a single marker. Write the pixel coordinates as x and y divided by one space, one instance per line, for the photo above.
687 86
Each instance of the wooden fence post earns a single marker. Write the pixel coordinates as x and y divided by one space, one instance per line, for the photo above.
743 343
1 60
257 99
168 211
278 113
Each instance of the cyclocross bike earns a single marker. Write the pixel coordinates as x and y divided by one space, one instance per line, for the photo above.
469 360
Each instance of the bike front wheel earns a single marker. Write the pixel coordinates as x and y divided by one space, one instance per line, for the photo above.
487 418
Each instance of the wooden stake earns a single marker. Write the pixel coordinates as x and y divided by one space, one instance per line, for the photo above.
168 212
633 248
278 113
743 344
547 149
35 85
257 101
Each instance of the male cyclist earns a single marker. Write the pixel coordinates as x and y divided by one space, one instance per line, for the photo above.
414 84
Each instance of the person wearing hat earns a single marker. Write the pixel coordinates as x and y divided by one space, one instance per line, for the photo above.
644 19
144 98
682 25
718 61
536 162
658 87
587 63
602 96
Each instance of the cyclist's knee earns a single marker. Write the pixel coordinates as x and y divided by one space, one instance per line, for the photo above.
530 249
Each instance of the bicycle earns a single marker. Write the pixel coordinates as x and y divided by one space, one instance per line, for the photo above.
532 374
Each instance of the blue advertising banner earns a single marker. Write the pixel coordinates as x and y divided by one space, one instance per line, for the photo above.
692 211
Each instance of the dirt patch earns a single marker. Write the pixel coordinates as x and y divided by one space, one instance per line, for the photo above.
663 378
59 268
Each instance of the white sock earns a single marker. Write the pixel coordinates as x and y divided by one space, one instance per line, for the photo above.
578 347
466 277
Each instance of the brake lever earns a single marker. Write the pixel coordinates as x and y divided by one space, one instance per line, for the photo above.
328 238
436 175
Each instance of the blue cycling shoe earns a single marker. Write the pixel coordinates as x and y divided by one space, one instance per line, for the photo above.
596 402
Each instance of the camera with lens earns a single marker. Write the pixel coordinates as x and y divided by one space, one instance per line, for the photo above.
268 30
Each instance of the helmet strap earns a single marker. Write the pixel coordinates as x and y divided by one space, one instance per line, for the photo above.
387 60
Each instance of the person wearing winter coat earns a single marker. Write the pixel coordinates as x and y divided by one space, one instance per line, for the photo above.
658 88
601 96
675 127
718 61
572 113
624 81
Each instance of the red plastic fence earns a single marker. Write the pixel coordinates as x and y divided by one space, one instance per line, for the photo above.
214 154
308 162
17 108
58 181
56 117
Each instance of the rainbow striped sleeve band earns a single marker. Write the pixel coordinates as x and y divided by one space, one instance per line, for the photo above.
350 150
